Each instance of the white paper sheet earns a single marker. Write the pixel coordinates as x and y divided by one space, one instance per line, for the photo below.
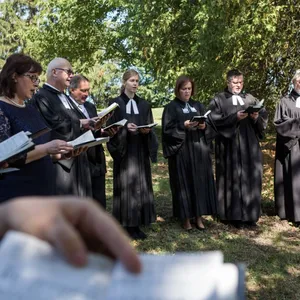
31 269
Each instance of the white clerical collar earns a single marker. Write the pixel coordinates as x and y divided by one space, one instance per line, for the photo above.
188 108
62 96
298 102
132 104
54 88
237 99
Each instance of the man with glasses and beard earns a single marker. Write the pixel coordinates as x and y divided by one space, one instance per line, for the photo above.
72 174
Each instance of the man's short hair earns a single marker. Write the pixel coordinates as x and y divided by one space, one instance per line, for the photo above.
57 62
76 80
233 73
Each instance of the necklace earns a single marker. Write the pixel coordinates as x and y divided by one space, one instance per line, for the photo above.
15 103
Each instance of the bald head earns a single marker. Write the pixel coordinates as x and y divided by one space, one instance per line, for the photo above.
57 62
59 73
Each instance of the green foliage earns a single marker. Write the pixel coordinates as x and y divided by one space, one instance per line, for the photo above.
163 39
15 16
270 251
207 38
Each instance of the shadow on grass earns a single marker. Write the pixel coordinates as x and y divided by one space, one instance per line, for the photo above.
273 269
268 207
270 251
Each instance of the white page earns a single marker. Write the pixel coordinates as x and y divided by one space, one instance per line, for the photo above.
207 113
120 123
178 277
84 138
32 269
8 170
147 125
97 141
13 144
107 110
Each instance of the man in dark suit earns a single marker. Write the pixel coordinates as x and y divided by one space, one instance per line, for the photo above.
79 90
72 173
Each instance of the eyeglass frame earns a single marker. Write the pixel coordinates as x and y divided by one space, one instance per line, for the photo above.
69 72
33 78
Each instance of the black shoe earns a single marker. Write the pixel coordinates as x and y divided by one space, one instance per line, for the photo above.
132 232
250 224
188 229
237 224
200 228
225 222
141 235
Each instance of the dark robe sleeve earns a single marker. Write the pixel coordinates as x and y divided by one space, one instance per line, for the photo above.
260 124
210 131
63 126
117 145
152 139
288 128
173 132
226 124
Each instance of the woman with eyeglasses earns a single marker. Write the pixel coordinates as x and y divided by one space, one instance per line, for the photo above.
19 78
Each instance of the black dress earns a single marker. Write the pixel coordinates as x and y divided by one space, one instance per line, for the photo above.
37 177
238 158
73 175
287 167
189 160
133 202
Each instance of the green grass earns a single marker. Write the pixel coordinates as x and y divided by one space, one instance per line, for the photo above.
271 252
157 114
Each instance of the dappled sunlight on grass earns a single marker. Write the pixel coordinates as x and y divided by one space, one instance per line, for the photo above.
270 251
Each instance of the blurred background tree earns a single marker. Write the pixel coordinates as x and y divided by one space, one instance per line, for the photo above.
161 39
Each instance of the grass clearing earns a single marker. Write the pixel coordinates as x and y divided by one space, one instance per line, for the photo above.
271 252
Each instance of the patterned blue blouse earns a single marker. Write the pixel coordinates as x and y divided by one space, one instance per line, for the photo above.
37 177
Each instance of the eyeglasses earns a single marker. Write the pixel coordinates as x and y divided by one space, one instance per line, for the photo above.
85 90
33 78
236 82
68 71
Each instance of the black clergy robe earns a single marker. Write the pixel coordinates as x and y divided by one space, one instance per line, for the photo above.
238 158
97 162
189 159
133 201
73 175
287 158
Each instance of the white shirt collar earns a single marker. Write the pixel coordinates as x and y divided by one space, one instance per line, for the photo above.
53 87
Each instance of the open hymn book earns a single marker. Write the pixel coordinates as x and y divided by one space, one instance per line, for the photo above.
146 126
108 110
32 269
87 140
255 107
15 146
117 124
201 119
